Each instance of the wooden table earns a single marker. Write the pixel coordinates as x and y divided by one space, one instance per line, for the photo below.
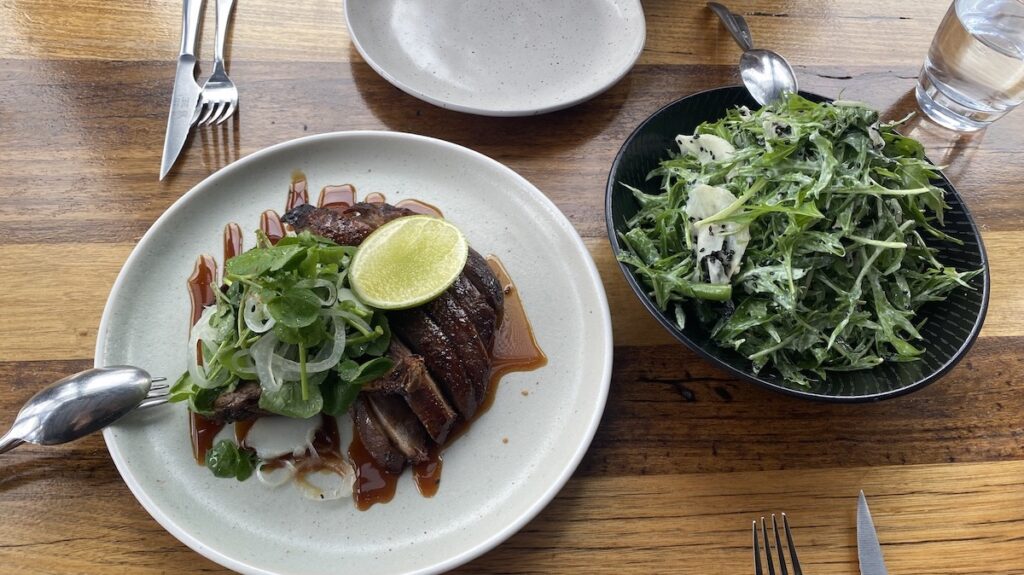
685 457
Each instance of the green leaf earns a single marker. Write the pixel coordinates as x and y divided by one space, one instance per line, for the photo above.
287 400
257 261
225 459
297 307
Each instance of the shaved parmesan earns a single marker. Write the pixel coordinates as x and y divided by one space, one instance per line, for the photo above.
720 244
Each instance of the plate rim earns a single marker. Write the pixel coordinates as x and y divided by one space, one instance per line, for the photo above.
501 534
681 337
500 112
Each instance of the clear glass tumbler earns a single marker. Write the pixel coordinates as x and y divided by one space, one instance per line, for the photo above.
974 72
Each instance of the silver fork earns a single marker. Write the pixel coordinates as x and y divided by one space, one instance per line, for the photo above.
778 548
219 98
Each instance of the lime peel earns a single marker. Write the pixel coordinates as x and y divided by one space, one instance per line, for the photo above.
408 262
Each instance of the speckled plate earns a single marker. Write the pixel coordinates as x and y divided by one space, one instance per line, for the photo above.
499 58
497 477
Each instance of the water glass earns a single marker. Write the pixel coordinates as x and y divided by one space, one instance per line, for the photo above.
974 72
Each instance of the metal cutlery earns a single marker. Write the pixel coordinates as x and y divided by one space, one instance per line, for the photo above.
766 74
186 89
219 97
83 403
869 552
793 560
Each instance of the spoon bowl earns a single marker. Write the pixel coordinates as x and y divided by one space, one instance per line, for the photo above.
78 405
767 75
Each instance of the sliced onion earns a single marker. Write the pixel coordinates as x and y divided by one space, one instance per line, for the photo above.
338 472
357 322
201 331
332 290
326 357
255 314
248 367
276 477
345 294
263 356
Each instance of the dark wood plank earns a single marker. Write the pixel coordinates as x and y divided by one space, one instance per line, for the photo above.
672 412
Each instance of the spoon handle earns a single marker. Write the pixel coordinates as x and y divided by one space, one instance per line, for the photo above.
9 442
735 24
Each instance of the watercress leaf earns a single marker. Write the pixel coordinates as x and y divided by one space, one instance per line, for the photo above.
297 307
287 400
257 261
310 336
225 459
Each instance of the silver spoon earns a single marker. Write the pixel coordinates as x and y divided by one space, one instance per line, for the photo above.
766 74
83 403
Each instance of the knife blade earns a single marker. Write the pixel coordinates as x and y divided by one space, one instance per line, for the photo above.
869 552
185 96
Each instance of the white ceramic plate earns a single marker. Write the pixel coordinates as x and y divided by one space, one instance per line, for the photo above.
490 488
499 58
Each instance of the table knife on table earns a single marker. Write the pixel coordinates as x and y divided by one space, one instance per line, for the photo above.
186 89
869 552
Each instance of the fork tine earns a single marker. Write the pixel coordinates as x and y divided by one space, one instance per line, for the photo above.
767 549
792 546
215 108
229 112
207 109
778 547
153 401
757 550
158 386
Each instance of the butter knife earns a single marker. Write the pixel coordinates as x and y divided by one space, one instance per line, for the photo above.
186 89
869 552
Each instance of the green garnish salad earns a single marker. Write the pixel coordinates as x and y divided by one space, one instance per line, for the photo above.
797 235
287 319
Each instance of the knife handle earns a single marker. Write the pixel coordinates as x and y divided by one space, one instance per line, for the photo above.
191 9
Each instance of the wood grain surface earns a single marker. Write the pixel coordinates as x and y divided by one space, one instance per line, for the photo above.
685 456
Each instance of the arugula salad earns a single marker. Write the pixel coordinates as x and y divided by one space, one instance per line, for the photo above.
797 235
287 319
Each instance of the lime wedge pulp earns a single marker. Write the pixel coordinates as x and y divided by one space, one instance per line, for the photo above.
408 262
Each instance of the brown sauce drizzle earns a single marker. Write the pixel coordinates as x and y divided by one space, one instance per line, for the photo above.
203 432
200 291
272 225
232 243
420 208
298 191
427 475
342 196
515 349
373 484
242 430
374 198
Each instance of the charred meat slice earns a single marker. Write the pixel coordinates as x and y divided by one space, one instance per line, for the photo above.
327 223
476 307
423 336
374 438
347 228
411 380
399 423
453 321
238 405
480 274
376 215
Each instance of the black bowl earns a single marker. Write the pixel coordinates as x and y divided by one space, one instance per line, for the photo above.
951 327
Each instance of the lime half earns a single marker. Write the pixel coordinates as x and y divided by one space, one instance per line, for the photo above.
408 262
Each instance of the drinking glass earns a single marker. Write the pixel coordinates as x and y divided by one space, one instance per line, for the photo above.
974 72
